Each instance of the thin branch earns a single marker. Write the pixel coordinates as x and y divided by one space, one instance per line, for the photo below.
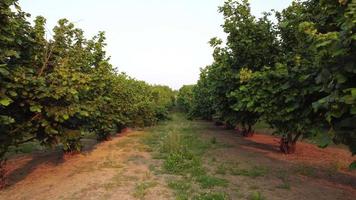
47 57
297 137
24 141
33 118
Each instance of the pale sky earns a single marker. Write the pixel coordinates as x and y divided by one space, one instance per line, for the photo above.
158 41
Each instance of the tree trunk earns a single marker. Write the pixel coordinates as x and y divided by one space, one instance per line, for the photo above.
247 132
288 144
229 126
2 174
218 123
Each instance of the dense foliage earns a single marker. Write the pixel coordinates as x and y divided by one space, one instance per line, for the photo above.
298 75
184 98
54 90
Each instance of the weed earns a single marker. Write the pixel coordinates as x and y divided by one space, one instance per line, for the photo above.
283 175
176 163
213 140
109 163
154 169
221 169
143 148
171 143
253 172
209 181
305 170
181 185
123 143
256 196
181 151
137 159
141 189
284 185
211 196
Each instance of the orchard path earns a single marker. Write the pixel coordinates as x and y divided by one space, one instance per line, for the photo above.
131 167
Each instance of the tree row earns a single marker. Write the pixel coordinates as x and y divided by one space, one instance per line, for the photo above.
296 74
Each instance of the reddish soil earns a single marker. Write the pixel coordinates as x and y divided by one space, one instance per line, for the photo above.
118 168
305 153
311 172
109 170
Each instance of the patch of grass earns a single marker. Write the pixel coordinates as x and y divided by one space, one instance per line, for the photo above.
154 169
135 134
209 181
182 188
151 139
171 143
180 185
123 143
177 163
254 187
284 185
213 140
109 163
118 180
158 156
256 196
263 127
305 170
196 145
25 148
239 194
144 148
283 175
224 145
110 185
85 168
141 188
176 142
253 172
211 196
137 159
221 169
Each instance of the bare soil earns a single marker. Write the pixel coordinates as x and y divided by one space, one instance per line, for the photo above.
109 170
123 169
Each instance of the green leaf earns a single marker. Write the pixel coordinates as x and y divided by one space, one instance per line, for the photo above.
4 72
353 92
353 110
5 101
36 108
324 43
323 139
84 113
12 93
65 116
340 78
352 166
11 53
6 120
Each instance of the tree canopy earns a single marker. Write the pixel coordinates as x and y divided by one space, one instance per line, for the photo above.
297 74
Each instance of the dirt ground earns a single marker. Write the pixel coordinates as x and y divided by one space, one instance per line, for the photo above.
310 173
116 169
122 169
